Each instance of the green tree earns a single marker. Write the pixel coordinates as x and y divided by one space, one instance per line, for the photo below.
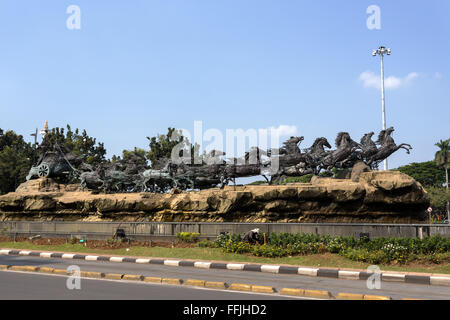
427 173
72 141
15 160
442 157
162 145
439 197
136 154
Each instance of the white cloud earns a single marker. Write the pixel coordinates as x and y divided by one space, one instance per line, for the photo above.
283 130
272 136
371 80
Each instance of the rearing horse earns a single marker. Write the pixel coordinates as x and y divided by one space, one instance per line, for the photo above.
387 147
344 152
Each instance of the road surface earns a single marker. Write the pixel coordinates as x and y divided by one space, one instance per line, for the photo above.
279 281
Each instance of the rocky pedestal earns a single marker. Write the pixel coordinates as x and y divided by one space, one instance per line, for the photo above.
378 197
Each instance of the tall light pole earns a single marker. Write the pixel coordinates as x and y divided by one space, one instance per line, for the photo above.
381 51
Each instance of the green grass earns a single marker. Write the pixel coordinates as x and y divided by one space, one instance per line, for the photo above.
315 260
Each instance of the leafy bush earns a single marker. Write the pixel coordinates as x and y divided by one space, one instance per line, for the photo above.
379 250
302 179
205 244
4 232
188 236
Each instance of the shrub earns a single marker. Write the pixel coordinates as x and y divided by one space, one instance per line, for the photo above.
269 251
188 236
437 257
379 250
205 244
4 231
237 247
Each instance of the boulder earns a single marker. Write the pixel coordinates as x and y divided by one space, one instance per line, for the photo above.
357 169
379 196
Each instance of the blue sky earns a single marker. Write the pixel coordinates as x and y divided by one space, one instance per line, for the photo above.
137 67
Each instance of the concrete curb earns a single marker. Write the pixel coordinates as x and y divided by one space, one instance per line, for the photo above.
317 294
429 279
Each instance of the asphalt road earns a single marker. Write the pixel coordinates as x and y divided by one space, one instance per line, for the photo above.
393 289
25 286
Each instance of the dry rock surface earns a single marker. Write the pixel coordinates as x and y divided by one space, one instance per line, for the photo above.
378 196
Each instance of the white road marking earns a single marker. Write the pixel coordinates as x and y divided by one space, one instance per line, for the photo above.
271 269
173 263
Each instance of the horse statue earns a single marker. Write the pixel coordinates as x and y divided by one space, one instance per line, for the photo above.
343 156
387 147
115 179
157 180
291 146
368 147
317 152
91 180
200 177
292 162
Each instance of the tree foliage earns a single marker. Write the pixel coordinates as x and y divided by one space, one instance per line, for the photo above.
442 157
136 156
439 197
162 145
15 160
427 173
72 141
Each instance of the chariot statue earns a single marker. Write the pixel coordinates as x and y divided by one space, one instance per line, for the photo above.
133 175
55 164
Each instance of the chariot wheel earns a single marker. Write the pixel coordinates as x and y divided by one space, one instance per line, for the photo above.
43 170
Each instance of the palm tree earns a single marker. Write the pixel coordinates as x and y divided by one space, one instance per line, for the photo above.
442 159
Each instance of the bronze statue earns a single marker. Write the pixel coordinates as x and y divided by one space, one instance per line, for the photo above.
133 175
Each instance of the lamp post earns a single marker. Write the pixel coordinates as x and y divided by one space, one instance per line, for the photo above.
381 51
35 135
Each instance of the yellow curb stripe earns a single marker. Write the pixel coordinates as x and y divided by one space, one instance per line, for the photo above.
193 282
133 277
113 276
240 287
24 268
60 271
215 285
91 274
171 281
318 294
152 279
349 296
4 267
46 270
293 292
263 289
373 297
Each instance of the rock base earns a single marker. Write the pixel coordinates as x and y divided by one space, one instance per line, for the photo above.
378 197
